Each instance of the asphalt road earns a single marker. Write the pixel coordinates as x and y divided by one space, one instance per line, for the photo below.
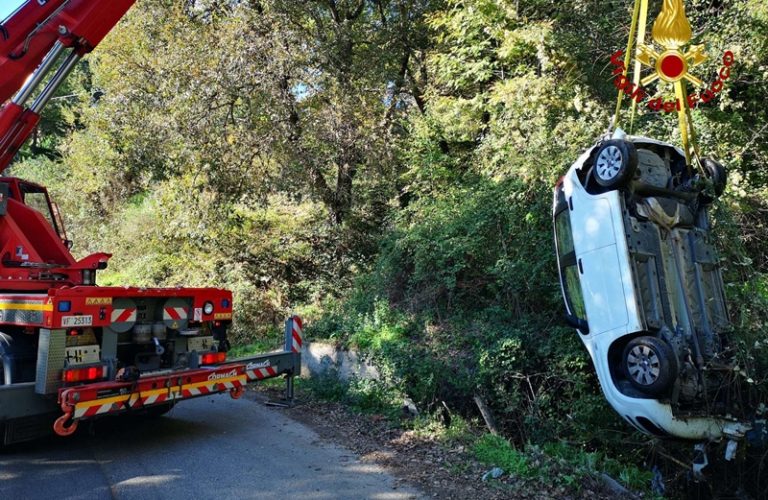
205 448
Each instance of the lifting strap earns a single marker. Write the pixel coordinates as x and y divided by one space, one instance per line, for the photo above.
671 38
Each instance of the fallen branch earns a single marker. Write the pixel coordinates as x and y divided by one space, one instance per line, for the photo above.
485 411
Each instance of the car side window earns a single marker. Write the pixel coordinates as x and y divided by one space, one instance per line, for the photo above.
566 257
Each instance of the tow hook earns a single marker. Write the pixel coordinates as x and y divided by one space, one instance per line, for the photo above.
236 392
60 425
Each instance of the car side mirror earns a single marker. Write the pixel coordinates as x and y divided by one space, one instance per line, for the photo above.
577 323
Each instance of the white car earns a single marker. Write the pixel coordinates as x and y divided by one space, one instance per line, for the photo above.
642 285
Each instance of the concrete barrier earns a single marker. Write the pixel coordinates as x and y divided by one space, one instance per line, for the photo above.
325 358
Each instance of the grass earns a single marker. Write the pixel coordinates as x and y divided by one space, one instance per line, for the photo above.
595 461
557 463
495 451
252 349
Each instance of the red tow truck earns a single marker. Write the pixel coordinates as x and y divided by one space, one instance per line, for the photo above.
71 350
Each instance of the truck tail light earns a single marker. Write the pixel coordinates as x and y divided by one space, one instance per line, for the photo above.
212 358
84 373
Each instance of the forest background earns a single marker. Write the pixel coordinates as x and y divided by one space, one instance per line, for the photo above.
384 168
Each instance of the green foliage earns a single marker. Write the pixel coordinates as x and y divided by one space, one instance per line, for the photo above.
459 431
556 463
496 451
595 462
366 396
386 172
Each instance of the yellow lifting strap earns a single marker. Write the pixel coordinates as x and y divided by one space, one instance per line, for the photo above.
628 56
671 31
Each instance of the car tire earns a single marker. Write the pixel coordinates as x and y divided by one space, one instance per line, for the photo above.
615 164
716 173
650 365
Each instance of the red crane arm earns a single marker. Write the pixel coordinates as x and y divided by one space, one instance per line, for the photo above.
32 41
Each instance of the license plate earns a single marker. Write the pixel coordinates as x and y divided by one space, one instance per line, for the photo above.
82 355
77 320
199 344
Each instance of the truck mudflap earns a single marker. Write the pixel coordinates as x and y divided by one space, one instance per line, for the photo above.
88 401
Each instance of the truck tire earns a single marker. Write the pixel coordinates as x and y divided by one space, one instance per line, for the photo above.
650 365
615 164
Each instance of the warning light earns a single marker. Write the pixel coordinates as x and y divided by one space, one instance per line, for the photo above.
212 358
208 308
84 374
65 306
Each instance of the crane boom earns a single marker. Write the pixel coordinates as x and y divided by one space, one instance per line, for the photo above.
33 42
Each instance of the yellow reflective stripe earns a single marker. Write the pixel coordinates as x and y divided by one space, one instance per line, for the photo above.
241 378
156 392
26 307
104 401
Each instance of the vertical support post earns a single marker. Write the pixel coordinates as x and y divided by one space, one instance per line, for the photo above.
293 342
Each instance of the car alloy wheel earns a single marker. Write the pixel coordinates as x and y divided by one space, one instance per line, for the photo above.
650 365
615 164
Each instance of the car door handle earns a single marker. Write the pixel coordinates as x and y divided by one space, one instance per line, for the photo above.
581 267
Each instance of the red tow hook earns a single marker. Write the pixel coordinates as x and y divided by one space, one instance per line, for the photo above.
236 392
60 426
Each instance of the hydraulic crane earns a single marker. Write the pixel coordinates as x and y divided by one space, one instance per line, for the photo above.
69 348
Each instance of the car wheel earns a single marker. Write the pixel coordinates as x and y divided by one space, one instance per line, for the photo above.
717 174
650 365
615 164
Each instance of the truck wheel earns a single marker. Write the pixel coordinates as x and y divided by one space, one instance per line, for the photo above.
615 164
650 365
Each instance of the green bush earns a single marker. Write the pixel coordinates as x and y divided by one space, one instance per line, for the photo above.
495 451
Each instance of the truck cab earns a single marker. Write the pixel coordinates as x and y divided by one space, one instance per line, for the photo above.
35 197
